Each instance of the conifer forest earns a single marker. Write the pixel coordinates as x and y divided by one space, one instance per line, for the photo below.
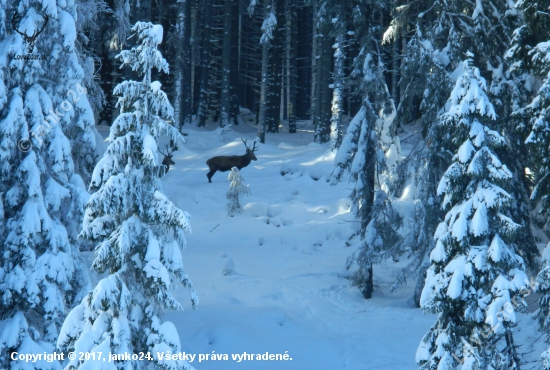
274 184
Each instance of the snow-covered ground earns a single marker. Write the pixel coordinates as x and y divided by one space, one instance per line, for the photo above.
286 291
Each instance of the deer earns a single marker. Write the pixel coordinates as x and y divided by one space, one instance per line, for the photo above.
167 161
29 39
224 163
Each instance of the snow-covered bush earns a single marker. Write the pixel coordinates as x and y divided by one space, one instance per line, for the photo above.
139 233
476 276
236 189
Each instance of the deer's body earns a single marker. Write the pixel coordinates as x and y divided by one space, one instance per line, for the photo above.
224 163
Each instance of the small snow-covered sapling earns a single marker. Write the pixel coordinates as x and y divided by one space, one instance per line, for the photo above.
236 189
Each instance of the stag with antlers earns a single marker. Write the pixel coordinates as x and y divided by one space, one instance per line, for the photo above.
227 162
29 39
167 161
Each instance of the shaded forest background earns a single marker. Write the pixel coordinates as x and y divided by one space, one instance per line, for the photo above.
220 50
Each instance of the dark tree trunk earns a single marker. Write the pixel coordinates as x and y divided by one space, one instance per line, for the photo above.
276 70
215 71
313 57
225 96
250 60
205 63
303 62
368 198
186 113
368 287
292 31
322 80
265 79
235 51
336 129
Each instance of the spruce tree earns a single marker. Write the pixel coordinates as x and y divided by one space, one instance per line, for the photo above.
364 152
530 51
138 231
41 195
476 275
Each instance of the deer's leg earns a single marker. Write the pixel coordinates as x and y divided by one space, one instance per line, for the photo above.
210 174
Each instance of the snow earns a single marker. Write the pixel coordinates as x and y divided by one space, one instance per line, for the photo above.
465 151
268 27
68 29
272 278
480 224
456 268
284 263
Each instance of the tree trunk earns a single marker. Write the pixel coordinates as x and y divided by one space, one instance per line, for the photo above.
304 62
368 288
336 130
186 115
225 99
216 52
205 63
323 94
235 51
276 70
265 79
292 31
368 199
314 43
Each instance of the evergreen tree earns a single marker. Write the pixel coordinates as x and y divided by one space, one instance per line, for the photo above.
530 53
365 152
380 241
41 195
72 108
138 231
443 31
237 188
476 275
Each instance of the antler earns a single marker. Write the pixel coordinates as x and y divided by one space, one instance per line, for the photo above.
14 19
167 152
36 33
253 147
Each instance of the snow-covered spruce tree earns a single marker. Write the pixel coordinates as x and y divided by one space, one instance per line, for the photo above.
67 75
542 287
237 188
432 61
63 77
40 194
537 113
366 148
138 231
476 277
